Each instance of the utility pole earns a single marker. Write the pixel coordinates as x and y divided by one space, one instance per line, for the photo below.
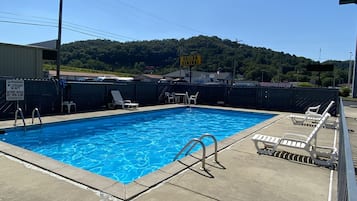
354 83
58 45
234 71
58 61
349 71
235 62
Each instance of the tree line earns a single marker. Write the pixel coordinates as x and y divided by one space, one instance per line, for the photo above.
162 56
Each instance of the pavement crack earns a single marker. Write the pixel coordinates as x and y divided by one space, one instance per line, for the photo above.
187 189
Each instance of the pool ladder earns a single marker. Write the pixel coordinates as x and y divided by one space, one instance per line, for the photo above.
38 115
193 142
19 110
21 115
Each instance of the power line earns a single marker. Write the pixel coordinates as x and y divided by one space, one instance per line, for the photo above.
85 30
47 25
82 32
21 19
162 19
94 30
27 23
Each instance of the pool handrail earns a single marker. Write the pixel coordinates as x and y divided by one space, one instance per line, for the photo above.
21 115
38 115
195 141
215 145
346 186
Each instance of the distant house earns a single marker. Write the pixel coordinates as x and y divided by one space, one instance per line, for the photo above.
50 44
200 77
148 78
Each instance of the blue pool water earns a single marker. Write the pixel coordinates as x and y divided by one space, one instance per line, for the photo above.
126 147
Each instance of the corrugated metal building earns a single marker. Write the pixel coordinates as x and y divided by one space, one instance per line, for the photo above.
20 61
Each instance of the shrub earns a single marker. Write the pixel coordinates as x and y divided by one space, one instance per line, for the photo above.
305 84
345 91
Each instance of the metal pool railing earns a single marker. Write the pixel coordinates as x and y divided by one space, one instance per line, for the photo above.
347 188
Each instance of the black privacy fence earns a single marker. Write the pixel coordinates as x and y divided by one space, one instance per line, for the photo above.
47 96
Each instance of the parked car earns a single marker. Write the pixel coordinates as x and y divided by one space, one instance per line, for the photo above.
114 79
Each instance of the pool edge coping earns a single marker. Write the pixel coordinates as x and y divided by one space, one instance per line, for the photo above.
143 184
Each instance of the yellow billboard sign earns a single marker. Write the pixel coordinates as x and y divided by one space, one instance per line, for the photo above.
190 60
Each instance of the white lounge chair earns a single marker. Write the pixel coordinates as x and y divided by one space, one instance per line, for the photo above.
118 100
193 98
321 155
313 110
311 115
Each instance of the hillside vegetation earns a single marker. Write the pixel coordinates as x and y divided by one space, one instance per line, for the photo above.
83 70
162 56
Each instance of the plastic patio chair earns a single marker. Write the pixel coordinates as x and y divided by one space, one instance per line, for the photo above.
193 98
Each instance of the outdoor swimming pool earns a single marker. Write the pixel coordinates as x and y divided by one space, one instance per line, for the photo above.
129 146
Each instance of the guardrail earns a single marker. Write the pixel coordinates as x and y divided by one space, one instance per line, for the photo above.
347 188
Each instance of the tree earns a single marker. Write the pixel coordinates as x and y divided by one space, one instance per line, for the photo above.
255 63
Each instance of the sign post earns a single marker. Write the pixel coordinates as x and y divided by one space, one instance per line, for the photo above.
15 91
347 1
191 60
319 68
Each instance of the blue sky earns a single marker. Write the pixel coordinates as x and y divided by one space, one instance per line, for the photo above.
316 29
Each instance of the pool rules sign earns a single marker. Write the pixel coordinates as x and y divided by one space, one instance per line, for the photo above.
15 90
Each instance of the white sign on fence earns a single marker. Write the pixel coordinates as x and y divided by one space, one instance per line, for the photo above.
15 90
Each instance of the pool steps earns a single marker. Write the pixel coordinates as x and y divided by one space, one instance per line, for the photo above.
193 142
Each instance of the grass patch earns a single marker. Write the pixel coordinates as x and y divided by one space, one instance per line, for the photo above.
84 70
349 98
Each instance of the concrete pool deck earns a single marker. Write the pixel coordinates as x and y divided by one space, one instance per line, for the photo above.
242 174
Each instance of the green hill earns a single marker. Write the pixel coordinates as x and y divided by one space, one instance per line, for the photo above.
162 56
